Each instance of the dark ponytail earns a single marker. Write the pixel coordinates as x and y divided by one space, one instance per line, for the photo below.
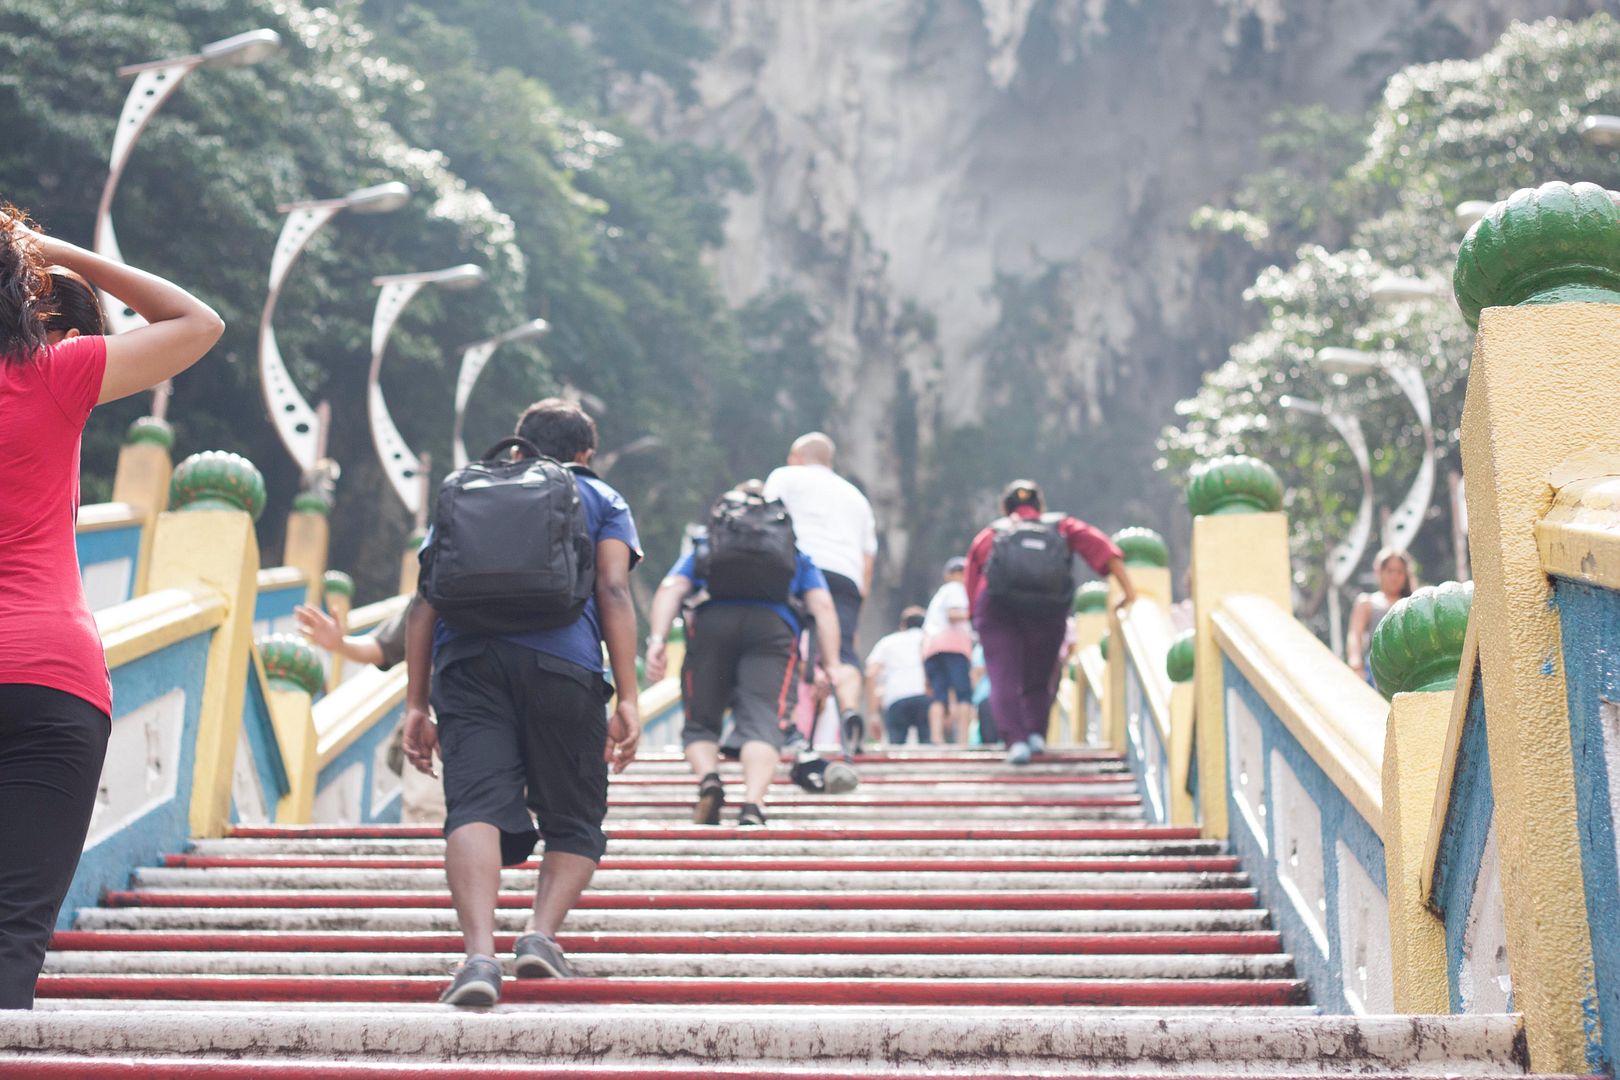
73 305
25 290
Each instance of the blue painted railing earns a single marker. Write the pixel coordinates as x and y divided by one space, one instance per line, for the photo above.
108 539
281 590
261 778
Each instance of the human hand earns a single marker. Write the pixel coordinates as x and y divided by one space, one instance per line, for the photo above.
657 661
320 628
624 735
421 739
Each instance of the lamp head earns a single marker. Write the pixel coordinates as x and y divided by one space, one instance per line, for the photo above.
1472 210
1601 130
241 50
1395 289
377 199
534 328
1342 361
457 278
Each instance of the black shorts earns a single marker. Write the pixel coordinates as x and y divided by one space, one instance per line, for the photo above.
846 598
949 672
743 657
518 734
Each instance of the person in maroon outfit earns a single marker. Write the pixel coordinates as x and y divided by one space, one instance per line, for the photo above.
55 694
1021 645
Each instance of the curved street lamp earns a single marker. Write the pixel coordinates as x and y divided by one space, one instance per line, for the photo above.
155 82
403 469
295 422
1601 131
1346 555
473 359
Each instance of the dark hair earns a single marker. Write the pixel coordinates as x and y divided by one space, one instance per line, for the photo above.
74 305
25 290
1385 555
912 618
1020 493
558 428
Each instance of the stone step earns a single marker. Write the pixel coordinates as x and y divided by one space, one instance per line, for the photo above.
249 880
827 813
753 845
779 900
902 782
1127 831
706 1039
849 944
1127 864
828 965
691 921
1169 993
794 798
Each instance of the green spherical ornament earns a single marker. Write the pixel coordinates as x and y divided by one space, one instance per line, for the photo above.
1091 598
1102 645
291 663
150 429
1418 645
311 502
1555 244
217 480
1235 484
337 583
1178 662
1142 547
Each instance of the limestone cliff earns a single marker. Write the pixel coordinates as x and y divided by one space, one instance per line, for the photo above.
988 202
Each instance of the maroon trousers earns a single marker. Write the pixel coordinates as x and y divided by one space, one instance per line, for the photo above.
1020 657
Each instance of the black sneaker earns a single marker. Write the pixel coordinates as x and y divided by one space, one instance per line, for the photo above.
810 774
477 983
750 815
711 797
539 957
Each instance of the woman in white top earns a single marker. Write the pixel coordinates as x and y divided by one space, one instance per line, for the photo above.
1394 568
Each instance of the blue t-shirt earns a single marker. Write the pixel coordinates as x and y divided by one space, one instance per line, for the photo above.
806 576
607 517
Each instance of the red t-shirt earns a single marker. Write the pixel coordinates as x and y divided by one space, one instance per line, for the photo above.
47 634
1086 541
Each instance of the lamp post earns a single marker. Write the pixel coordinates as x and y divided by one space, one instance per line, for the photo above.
155 82
1346 555
405 471
473 359
298 425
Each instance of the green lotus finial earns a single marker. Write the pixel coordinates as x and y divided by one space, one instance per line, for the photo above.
1555 244
1235 484
337 583
150 429
1142 547
1102 645
1418 645
311 502
1091 598
1178 662
291 663
217 480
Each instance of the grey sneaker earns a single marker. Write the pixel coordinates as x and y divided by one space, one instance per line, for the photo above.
539 957
1037 744
1018 753
477 983
841 778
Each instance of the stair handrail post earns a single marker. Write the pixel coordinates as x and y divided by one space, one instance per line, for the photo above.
1147 557
1239 545
1539 275
295 676
142 480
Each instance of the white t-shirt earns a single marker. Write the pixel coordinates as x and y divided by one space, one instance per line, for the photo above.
831 518
943 635
901 656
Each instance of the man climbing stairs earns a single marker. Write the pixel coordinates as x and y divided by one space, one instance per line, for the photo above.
951 917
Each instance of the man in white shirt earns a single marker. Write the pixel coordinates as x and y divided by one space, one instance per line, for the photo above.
834 525
894 672
947 652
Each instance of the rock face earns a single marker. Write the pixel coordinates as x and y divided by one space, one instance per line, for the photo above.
916 161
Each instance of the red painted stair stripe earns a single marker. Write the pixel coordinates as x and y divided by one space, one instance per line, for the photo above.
1130 831
84 1068
1085 944
1145 864
1167 900
1030 992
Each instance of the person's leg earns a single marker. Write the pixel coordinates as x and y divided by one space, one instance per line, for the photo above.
51 749
472 863
704 758
938 696
894 724
846 597
1042 641
959 676
707 677
759 761
914 713
1002 662
564 877
767 677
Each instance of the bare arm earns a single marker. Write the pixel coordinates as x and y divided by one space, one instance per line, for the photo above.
1116 567
867 563
1355 640
421 737
324 633
874 679
672 592
180 330
618 615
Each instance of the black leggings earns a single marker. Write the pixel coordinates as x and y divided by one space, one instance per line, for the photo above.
51 749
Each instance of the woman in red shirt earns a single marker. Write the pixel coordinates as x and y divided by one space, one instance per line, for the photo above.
55 694
1021 607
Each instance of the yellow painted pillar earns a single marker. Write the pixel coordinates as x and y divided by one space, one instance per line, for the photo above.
1179 664
1147 560
338 594
142 481
1090 624
208 542
292 669
408 565
309 541
1414 746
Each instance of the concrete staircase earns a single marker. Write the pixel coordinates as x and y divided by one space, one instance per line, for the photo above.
952 917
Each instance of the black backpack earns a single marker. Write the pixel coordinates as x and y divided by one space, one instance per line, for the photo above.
752 553
1031 569
511 549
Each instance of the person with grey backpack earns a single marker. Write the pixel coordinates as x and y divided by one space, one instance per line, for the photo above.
525 576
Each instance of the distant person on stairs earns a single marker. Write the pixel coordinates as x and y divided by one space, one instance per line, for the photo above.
55 694
836 528
523 727
1020 581
947 656
742 642
894 671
